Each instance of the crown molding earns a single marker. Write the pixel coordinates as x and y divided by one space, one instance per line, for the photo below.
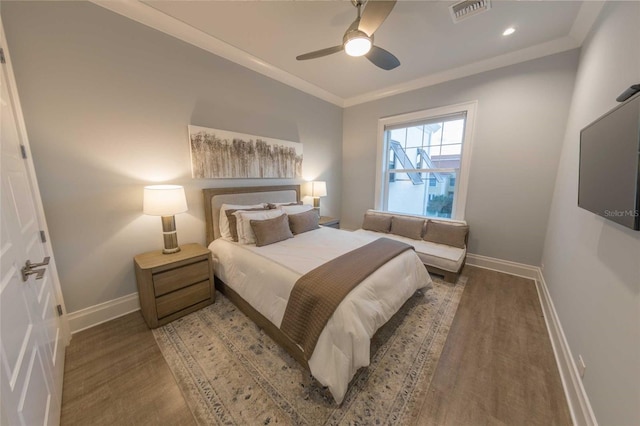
587 15
153 18
160 21
511 58
589 12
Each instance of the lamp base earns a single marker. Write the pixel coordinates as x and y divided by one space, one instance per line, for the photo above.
170 235
316 205
170 251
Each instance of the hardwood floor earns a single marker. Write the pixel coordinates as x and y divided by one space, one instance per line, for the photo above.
497 367
114 374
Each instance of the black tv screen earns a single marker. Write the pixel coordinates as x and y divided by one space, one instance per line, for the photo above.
609 178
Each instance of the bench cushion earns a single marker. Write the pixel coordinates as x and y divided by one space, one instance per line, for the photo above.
451 234
410 227
440 256
377 222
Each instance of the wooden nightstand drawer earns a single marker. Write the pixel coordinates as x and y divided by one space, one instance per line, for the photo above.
173 285
175 279
182 298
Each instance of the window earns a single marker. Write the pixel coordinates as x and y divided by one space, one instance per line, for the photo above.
423 156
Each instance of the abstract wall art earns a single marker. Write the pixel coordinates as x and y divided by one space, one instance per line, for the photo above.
222 154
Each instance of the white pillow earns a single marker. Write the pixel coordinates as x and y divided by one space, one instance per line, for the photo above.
245 233
288 203
223 223
296 209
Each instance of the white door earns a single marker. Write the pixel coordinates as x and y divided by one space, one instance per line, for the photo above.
32 336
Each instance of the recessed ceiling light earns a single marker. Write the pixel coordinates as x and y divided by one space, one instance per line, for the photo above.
509 31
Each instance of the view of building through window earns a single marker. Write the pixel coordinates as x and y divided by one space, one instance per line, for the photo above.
424 163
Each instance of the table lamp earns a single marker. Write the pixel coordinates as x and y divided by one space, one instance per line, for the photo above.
166 201
318 189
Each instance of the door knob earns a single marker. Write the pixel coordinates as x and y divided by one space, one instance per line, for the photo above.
29 269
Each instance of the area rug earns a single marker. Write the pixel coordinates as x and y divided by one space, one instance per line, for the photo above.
231 373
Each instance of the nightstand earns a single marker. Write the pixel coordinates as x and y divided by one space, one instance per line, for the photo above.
173 285
331 222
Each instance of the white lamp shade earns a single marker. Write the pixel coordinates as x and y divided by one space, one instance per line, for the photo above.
319 188
164 200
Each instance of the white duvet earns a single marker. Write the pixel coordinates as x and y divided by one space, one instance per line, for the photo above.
264 277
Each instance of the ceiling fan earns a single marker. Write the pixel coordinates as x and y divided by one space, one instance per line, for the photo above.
358 39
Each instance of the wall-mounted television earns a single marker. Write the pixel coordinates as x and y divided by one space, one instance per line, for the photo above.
609 177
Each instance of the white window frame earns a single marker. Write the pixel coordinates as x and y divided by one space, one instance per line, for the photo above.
462 179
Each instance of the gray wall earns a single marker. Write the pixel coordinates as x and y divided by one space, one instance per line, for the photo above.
592 266
521 118
107 102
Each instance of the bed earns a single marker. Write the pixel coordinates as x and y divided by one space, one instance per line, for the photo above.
259 281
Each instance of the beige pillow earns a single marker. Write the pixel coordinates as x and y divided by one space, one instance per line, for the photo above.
451 234
271 231
245 233
233 223
410 227
377 222
303 222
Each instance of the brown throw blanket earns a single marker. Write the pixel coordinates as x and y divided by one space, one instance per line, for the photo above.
317 294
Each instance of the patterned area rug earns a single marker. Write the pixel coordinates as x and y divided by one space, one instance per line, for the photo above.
231 373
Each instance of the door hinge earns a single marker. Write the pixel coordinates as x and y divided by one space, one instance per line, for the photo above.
43 237
2 59
59 308
23 150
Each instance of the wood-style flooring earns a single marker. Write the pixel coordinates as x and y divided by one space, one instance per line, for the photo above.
114 374
497 367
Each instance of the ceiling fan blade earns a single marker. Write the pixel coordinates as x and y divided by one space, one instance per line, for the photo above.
375 12
320 53
383 59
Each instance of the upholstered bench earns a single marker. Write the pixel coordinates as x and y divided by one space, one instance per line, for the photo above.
440 244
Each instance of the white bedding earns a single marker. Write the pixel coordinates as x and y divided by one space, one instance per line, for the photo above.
264 277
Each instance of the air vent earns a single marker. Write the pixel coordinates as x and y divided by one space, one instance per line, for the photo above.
468 8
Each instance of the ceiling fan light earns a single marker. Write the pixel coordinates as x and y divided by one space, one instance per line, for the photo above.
358 44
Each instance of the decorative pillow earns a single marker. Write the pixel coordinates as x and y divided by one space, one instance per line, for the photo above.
410 227
276 205
296 208
223 222
377 222
271 231
303 222
451 234
233 223
245 233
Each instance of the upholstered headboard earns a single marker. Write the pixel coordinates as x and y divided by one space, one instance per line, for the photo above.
214 198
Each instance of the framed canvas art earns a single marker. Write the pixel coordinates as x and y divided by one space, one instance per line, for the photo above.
222 154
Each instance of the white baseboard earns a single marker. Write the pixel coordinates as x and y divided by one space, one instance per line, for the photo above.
579 405
103 312
577 399
506 266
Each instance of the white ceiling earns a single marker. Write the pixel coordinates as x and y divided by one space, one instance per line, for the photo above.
267 36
